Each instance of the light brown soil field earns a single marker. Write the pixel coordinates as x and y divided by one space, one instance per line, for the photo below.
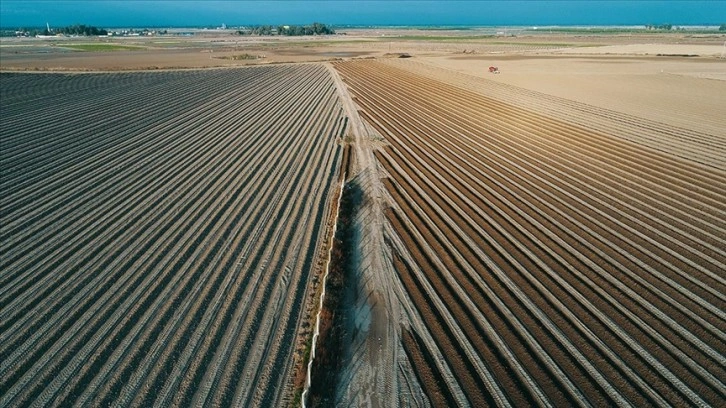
201 51
220 48
545 262
681 92
162 233
636 110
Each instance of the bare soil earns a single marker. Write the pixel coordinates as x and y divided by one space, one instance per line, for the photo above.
157 247
552 234
569 224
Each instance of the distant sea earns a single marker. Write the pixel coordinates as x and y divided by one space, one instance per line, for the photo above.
359 13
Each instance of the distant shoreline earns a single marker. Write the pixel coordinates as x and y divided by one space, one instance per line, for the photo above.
686 27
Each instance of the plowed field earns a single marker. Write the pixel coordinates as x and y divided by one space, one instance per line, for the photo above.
552 263
161 233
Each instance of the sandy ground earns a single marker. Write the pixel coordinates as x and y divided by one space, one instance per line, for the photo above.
652 49
33 54
683 92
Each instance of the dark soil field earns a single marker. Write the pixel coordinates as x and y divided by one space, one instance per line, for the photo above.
162 233
550 263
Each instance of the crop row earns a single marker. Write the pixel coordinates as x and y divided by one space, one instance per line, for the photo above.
160 232
552 265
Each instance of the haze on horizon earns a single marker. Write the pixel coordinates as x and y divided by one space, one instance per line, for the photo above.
177 13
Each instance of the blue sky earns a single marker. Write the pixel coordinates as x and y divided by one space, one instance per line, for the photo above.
167 13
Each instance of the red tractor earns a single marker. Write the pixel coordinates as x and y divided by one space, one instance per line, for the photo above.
493 70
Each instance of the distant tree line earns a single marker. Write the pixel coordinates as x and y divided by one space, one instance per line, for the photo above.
659 26
75 29
289 30
80 29
314 29
722 28
257 30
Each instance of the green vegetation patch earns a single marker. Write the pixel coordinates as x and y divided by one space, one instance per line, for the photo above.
476 38
288 30
240 57
538 44
443 38
275 43
101 47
